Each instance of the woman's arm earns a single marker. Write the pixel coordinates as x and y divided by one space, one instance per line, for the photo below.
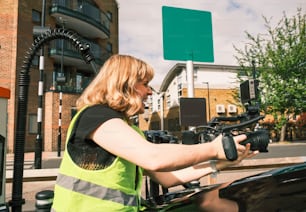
182 176
117 137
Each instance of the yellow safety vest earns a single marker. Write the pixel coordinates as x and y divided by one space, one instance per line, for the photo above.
110 189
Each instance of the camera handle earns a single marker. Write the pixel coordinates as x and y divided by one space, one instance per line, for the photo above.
243 124
229 147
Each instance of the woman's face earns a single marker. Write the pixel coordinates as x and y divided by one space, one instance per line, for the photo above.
144 90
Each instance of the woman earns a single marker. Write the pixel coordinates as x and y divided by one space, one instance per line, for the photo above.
106 156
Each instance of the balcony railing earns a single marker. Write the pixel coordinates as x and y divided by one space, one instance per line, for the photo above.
72 57
81 16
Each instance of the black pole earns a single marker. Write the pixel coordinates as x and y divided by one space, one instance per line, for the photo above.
39 139
254 69
59 136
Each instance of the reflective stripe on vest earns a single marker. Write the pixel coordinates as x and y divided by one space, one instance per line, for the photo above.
97 191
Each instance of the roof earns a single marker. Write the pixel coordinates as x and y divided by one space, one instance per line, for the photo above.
178 68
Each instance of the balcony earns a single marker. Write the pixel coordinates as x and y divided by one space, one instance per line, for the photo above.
71 57
82 17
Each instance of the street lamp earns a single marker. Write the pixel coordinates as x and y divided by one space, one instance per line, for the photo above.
208 98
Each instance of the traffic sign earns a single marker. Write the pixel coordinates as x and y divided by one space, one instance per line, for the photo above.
187 34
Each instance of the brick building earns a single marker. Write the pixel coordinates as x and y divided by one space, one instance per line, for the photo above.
65 71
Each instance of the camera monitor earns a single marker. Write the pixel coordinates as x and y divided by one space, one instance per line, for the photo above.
249 90
193 111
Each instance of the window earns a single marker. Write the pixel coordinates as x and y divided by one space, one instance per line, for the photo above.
109 47
73 111
60 77
195 74
36 16
109 15
63 3
179 86
78 83
95 49
35 61
180 93
174 124
32 123
179 90
168 100
155 125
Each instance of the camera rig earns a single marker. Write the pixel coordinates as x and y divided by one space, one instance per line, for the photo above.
244 123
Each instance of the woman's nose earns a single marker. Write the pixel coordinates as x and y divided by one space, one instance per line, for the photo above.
150 90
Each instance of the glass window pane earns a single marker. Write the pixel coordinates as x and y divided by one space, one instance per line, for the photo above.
32 123
36 16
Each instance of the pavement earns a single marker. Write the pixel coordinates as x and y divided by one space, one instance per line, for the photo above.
51 161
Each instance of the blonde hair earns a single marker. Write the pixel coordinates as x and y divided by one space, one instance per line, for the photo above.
115 83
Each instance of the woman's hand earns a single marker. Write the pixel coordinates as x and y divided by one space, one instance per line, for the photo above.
242 151
221 164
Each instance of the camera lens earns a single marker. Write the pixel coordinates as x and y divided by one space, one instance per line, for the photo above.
259 140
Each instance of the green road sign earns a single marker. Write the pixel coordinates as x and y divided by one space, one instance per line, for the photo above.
187 35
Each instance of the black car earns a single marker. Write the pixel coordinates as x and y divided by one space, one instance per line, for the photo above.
160 136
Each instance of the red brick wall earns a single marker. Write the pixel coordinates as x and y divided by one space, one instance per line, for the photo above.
51 119
8 46
16 37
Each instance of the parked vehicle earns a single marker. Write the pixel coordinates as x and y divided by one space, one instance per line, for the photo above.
160 136
281 189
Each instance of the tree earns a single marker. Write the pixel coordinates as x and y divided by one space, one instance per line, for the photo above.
280 57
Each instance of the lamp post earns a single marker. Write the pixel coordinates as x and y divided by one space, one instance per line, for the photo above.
208 98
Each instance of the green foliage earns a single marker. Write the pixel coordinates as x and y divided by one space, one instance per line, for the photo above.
280 57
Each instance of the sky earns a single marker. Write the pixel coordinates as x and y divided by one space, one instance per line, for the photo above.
141 35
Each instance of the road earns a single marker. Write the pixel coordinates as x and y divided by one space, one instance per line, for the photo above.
284 150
